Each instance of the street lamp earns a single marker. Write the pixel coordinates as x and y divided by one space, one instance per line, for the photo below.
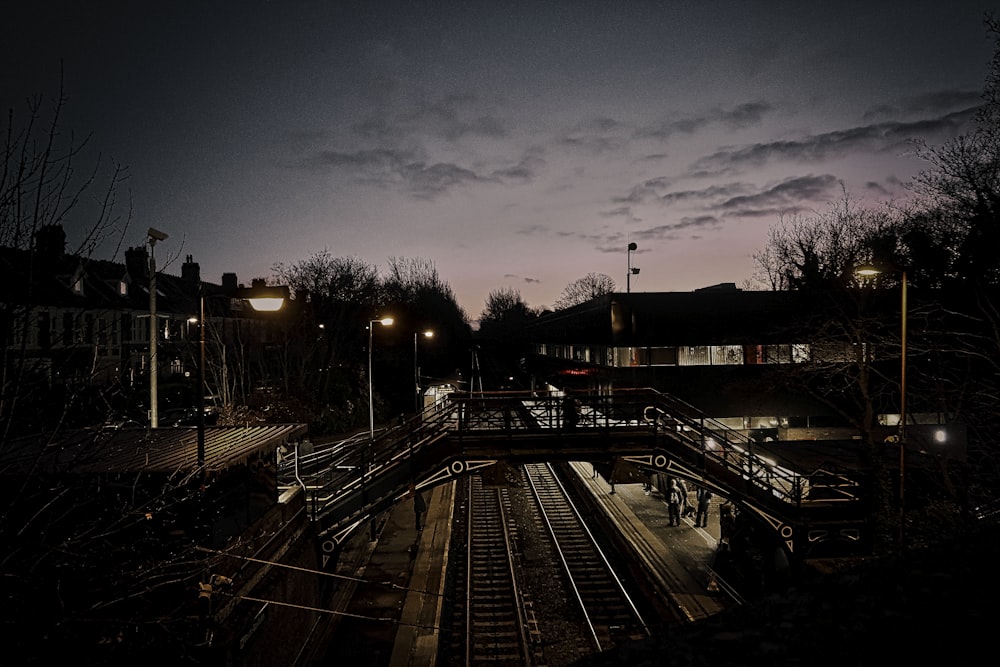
384 321
262 298
154 235
632 247
869 271
416 369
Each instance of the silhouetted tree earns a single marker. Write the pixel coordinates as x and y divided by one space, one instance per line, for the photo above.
338 296
584 289
502 339
420 300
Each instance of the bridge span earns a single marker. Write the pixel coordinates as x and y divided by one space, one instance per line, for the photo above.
810 506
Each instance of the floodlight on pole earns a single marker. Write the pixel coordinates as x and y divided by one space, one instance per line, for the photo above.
632 247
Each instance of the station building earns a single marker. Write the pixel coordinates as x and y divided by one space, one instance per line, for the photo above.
777 365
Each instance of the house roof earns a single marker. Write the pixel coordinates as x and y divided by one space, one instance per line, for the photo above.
165 451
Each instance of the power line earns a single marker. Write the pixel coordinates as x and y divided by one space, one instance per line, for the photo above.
332 612
333 575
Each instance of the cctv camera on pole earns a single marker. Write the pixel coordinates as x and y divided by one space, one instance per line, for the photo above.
154 328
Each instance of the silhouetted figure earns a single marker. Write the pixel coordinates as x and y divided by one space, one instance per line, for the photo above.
701 516
674 501
571 412
686 508
727 521
419 506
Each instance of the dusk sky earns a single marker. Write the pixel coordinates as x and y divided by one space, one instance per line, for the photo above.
513 144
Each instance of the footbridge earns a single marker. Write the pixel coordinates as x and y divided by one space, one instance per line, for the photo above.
348 483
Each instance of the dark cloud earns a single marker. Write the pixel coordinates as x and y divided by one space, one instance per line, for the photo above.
621 211
451 118
671 231
596 136
430 181
877 189
686 228
875 138
377 131
711 192
525 169
405 168
648 189
593 144
514 276
785 196
739 117
377 163
939 102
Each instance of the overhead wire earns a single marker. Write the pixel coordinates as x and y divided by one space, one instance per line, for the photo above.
332 575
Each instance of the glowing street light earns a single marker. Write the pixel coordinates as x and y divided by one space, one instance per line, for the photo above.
262 298
867 271
384 321
416 369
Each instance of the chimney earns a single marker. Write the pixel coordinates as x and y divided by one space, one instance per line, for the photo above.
50 243
137 263
229 283
190 271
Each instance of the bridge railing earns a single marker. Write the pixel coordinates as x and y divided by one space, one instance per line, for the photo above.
346 475
343 478
739 455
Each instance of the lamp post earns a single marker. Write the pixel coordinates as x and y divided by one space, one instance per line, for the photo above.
262 299
868 271
384 321
153 235
416 369
632 247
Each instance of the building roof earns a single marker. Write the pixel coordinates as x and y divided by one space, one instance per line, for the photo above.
165 451
704 317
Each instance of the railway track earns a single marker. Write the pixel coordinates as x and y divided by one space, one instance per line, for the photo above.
609 612
491 619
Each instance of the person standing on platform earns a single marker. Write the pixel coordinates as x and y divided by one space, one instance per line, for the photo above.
419 506
701 516
686 508
674 502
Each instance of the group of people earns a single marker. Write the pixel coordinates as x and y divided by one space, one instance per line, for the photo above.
679 504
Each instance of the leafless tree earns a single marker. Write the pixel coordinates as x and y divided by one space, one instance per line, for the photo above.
41 187
584 289
805 252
